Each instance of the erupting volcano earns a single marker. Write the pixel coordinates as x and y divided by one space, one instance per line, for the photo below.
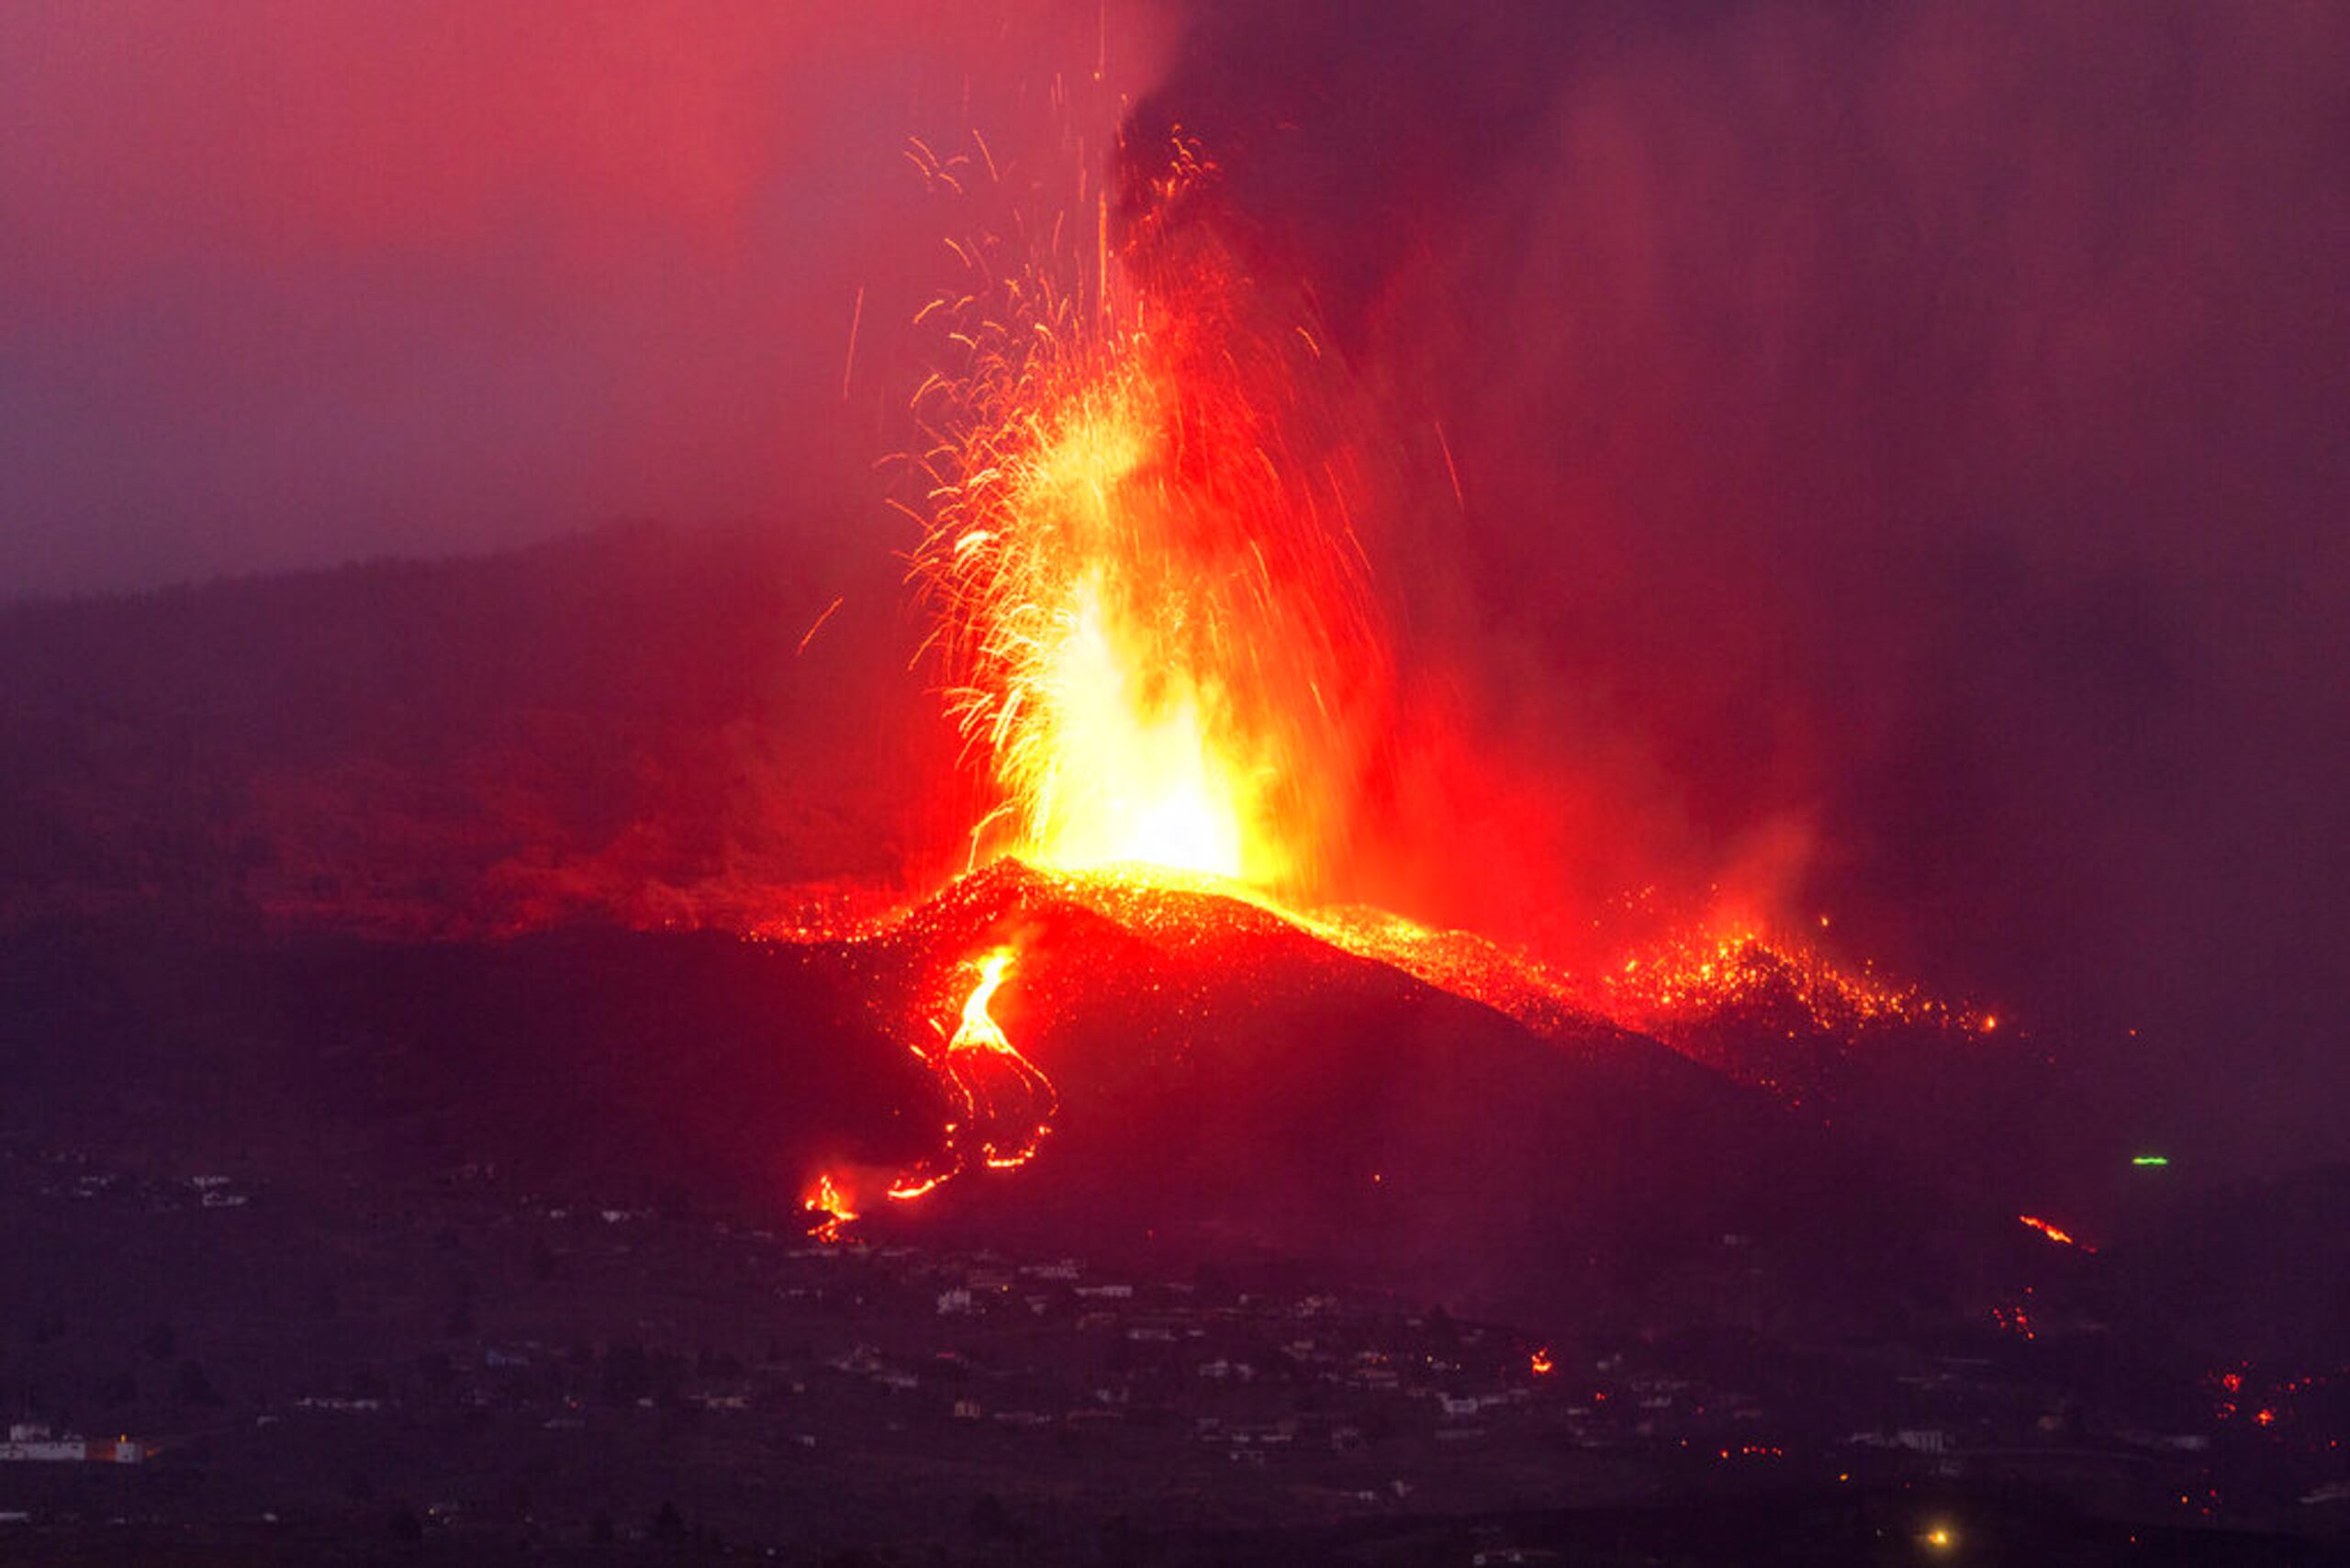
1154 621
1135 781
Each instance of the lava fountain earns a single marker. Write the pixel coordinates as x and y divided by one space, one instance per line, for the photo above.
1149 607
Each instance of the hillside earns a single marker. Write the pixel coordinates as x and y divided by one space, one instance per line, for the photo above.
623 723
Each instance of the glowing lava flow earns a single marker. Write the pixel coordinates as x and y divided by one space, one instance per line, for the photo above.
826 1200
1003 1106
2054 1233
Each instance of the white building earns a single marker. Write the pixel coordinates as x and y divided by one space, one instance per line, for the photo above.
47 1449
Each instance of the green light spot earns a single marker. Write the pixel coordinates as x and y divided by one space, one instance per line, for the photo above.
2150 1160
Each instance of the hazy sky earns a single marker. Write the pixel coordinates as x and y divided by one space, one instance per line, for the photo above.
287 282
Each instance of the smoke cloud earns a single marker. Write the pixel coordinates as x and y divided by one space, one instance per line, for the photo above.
1901 479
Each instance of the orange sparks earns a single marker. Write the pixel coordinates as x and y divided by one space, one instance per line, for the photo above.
1736 965
810 635
1145 614
848 366
826 1200
1540 1363
1451 469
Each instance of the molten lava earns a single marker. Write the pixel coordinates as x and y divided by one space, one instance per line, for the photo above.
2054 1233
1002 1105
826 1200
977 1030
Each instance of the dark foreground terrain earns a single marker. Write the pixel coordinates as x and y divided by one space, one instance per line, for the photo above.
491 1250
463 1370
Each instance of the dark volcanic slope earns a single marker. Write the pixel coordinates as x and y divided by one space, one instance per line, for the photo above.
631 1064
1232 1086
1232 1090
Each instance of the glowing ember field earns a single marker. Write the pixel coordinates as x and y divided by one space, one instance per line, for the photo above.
1137 494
